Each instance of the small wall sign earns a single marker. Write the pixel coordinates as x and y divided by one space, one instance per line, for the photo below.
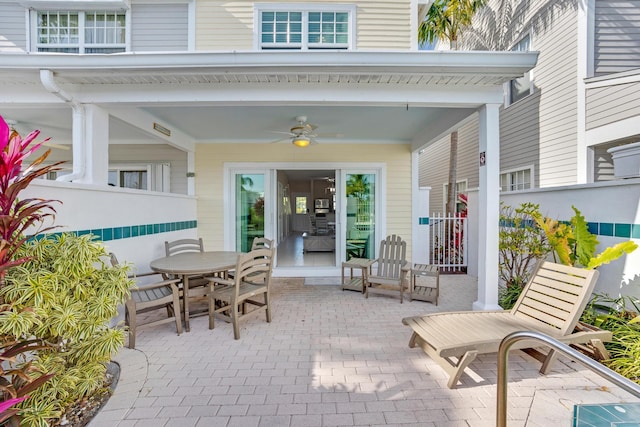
483 158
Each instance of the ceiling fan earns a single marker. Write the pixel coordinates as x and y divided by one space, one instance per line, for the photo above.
17 126
303 133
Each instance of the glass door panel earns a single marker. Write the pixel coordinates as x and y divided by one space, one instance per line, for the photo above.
250 212
361 215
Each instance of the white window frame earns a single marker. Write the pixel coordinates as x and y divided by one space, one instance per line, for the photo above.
305 9
444 192
158 174
510 173
529 74
82 46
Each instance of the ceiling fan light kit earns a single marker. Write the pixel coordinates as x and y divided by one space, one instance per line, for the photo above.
301 141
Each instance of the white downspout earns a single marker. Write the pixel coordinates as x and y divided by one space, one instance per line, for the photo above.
77 131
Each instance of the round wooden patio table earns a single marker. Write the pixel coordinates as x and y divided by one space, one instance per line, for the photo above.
194 263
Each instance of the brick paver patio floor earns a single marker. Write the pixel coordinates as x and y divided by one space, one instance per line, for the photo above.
331 358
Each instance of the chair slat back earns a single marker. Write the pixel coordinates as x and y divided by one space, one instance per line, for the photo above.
556 294
254 267
261 243
183 245
392 256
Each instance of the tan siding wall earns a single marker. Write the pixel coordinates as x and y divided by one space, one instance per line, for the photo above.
609 104
381 25
210 160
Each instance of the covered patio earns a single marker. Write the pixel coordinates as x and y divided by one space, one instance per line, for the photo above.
332 358
216 108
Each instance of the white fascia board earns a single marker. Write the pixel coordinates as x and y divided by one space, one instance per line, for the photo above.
76 4
292 93
451 62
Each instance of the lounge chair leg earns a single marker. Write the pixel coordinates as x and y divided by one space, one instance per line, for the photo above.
600 349
548 361
464 361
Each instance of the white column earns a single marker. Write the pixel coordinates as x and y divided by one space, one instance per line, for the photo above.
420 243
96 144
489 207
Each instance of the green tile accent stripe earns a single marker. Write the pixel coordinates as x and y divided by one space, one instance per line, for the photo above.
423 221
615 229
129 231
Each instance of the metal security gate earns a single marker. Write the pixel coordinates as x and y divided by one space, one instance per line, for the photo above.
448 242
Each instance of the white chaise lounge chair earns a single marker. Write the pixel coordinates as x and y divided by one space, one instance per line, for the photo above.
551 303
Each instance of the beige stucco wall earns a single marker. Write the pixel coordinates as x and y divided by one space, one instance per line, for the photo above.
380 24
210 160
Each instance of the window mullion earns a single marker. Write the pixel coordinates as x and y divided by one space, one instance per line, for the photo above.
305 30
81 22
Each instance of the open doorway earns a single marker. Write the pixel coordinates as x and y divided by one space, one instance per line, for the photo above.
306 218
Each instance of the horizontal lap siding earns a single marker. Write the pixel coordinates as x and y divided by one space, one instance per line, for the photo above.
541 129
610 104
159 27
13 33
434 164
210 159
617 36
382 25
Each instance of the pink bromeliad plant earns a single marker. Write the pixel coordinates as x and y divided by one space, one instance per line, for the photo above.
18 376
16 215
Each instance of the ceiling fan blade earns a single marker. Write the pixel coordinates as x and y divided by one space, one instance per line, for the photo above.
330 135
279 140
284 133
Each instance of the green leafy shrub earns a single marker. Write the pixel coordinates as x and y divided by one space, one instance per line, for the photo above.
17 375
66 294
573 243
620 316
521 245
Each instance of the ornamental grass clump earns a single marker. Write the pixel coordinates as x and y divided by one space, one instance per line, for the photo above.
72 293
621 317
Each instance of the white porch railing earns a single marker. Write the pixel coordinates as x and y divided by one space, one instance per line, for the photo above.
448 242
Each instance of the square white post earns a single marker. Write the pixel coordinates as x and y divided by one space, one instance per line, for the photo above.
96 146
489 207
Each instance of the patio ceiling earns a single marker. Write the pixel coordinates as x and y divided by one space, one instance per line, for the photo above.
363 97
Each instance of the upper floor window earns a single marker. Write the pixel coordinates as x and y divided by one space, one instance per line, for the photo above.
520 87
81 32
516 180
285 27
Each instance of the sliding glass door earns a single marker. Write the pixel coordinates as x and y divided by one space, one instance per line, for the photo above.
250 209
361 219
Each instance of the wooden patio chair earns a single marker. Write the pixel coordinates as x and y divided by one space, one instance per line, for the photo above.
183 245
551 303
261 243
392 269
149 297
198 284
250 286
